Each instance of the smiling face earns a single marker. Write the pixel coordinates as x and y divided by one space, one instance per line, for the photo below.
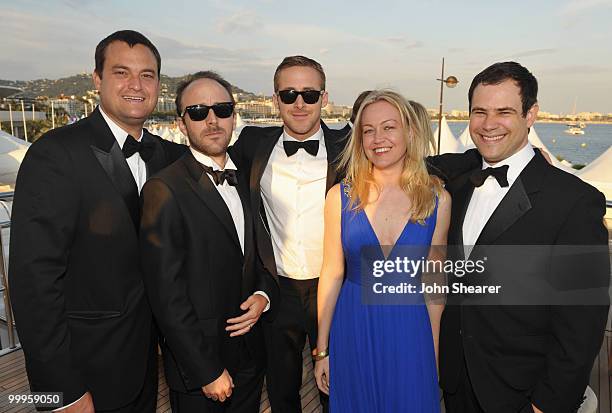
301 120
212 135
497 125
383 134
128 85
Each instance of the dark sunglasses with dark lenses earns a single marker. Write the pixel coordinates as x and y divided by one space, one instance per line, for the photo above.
200 112
290 96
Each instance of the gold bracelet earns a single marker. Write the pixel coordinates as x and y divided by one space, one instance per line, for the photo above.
320 355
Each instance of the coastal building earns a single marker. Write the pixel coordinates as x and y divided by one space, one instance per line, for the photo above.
461 114
254 109
336 110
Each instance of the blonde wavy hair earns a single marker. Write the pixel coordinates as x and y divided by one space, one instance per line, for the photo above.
416 182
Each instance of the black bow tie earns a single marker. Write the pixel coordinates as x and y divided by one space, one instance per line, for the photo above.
219 177
145 148
499 173
311 146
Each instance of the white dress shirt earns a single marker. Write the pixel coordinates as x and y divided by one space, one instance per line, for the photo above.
228 192
487 197
293 192
135 162
231 198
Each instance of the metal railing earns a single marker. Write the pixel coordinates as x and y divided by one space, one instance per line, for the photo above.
4 286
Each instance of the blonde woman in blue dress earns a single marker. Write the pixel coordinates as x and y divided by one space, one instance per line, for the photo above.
381 357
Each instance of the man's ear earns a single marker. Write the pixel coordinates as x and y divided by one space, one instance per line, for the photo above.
324 99
532 115
182 126
275 101
97 80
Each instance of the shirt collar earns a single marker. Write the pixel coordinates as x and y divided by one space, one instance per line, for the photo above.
516 162
119 134
207 161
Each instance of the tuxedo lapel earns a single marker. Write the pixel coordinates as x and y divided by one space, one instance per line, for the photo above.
158 160
461 200
333 145
108 153
249 247
514 205
206 191
243 192
260 160
517 201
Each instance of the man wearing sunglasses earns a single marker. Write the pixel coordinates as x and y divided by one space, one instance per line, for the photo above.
201 270
291 168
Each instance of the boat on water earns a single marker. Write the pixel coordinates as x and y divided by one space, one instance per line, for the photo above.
575 130
574 127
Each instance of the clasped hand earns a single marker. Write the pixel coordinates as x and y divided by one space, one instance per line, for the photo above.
221 388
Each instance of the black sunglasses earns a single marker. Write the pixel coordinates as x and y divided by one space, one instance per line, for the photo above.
290 96
200 112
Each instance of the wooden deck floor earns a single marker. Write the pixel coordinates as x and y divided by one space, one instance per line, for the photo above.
13 380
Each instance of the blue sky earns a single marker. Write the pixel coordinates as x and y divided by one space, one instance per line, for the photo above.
567 44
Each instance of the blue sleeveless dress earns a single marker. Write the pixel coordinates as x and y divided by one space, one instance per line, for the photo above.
382 357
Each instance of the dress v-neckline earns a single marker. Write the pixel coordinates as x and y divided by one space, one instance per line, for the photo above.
367 218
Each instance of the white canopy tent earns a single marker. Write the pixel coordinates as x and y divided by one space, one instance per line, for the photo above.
465 139
12 152
535 140
599 173
448 142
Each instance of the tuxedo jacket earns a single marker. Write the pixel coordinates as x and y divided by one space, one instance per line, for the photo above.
76 283
252 152
196 274
540 354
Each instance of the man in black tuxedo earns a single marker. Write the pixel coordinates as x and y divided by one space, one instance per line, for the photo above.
76 283
528 358
291 169
202 273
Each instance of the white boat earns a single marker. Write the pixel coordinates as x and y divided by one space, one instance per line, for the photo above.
574 130
574 127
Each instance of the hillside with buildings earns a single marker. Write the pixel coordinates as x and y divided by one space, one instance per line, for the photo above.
75 96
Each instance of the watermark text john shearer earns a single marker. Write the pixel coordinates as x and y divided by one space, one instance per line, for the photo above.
425 288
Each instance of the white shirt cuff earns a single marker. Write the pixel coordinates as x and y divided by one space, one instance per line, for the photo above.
59 409
266 297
